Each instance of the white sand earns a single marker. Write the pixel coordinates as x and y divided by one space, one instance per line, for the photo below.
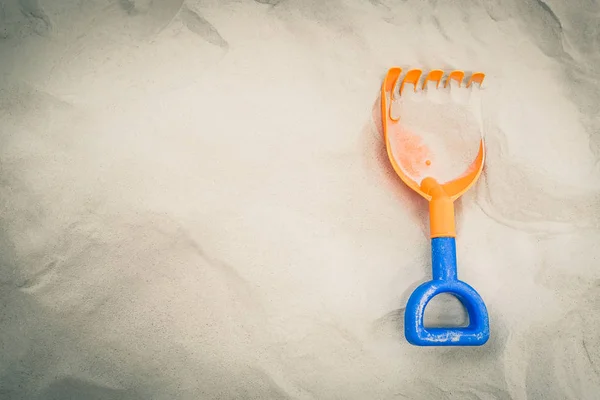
196 203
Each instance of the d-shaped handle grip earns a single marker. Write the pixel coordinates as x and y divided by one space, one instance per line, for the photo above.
444 280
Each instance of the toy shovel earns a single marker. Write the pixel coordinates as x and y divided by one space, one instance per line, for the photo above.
424 163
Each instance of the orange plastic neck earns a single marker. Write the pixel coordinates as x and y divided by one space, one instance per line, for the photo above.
441 209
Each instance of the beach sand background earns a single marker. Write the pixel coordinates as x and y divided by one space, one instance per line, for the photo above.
196 201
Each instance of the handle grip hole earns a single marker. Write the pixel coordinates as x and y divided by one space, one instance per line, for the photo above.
445 310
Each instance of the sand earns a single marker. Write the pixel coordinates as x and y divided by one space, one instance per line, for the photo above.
196 203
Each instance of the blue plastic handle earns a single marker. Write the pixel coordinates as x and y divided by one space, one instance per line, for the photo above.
477 333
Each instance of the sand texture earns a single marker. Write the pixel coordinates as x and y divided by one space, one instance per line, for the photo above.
196 202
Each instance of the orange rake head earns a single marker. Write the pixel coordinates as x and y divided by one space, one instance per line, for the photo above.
401 163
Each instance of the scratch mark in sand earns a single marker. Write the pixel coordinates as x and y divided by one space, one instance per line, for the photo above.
39 279
202 28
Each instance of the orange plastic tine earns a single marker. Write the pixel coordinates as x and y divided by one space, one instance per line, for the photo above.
413 77
455 75
390 81
390 123
387 89
477 77
434 75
